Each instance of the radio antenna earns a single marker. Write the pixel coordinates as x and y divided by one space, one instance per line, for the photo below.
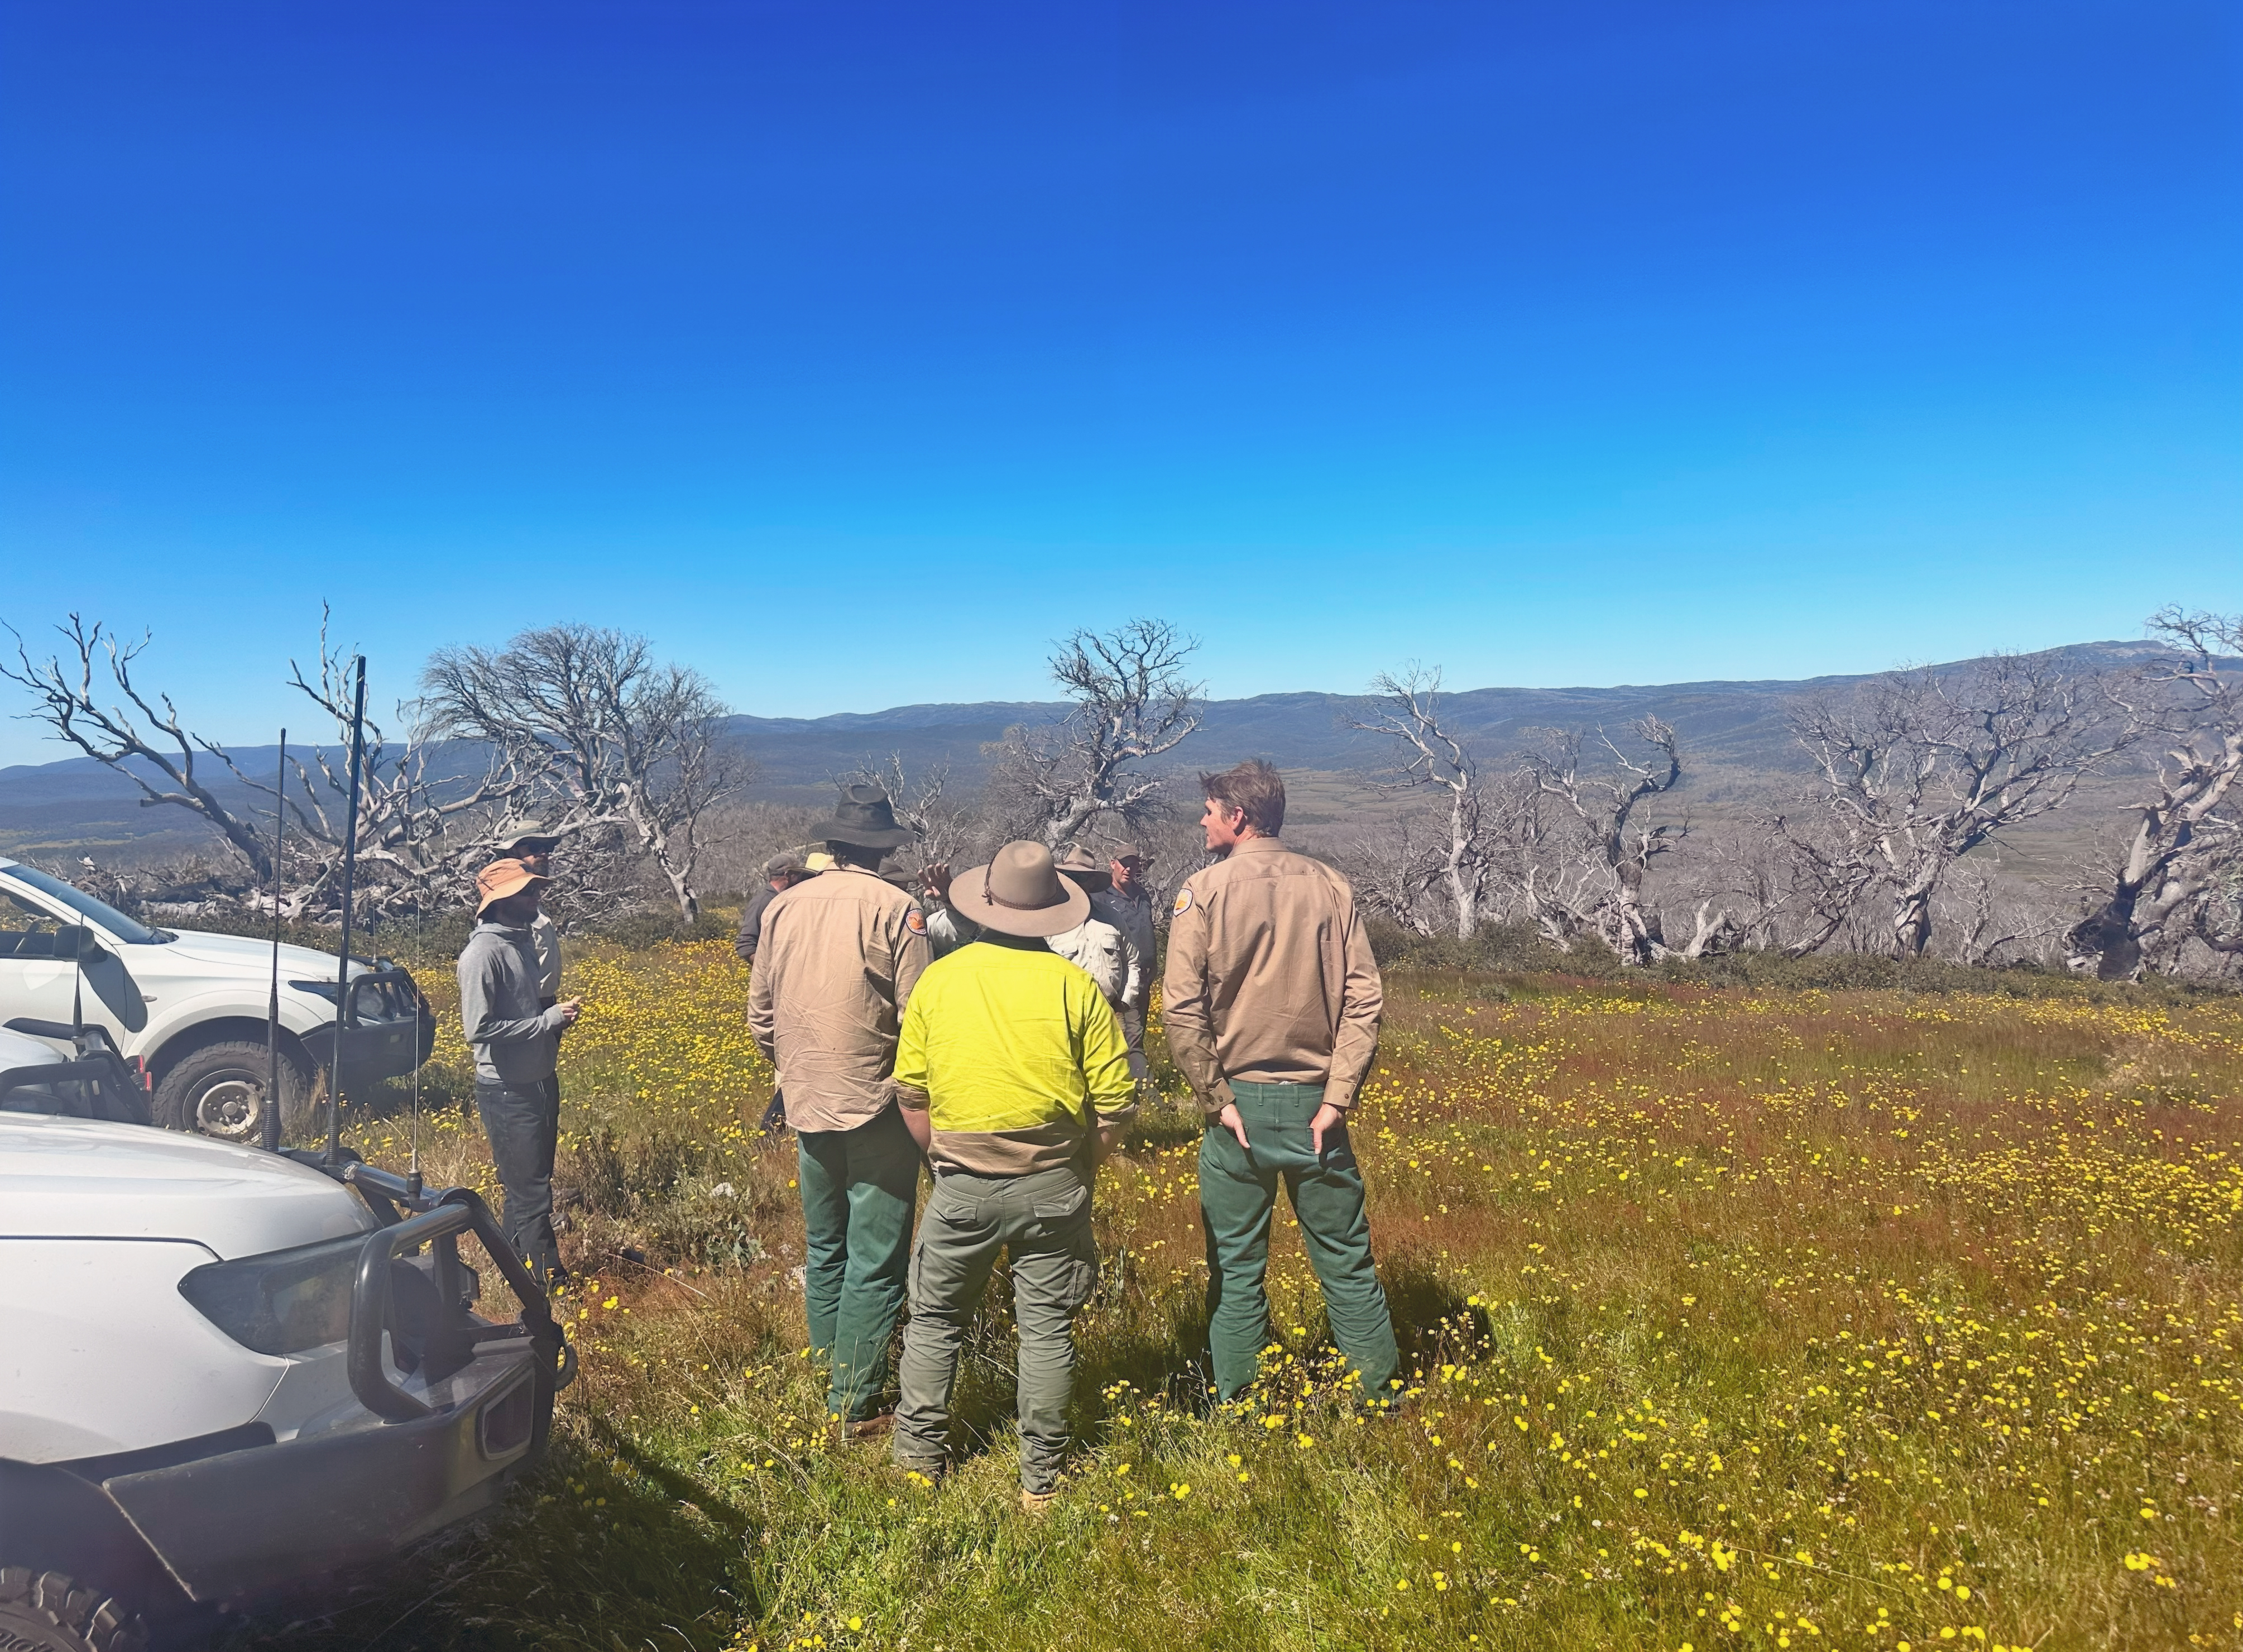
413 1177
270 1124
350 879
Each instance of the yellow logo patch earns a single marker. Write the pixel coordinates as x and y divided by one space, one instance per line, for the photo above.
915 921
1183 901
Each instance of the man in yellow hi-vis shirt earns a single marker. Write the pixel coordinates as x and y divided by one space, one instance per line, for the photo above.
1010 1056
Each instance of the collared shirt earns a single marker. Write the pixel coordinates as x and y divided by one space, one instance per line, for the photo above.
1270 977
514 1040
545 941
1011 1050
836 966
1096 947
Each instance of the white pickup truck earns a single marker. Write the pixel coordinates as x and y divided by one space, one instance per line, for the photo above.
188 1008
226 1375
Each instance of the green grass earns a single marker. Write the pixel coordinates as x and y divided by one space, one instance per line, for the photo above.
1735 1317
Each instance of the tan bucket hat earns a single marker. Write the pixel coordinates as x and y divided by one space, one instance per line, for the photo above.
501 878
1020 893
1080 867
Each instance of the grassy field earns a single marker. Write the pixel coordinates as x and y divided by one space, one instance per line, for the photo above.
1735 1319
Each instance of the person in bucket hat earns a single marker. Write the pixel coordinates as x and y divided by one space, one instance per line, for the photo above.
533 845
839 957
515 1039
1011 1065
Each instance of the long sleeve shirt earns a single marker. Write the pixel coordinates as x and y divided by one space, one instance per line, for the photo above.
1013 1053
514 1040
834 970
1269 977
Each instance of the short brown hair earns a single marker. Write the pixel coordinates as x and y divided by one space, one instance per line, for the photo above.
1255 790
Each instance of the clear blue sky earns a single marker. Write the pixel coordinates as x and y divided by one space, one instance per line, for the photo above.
855 351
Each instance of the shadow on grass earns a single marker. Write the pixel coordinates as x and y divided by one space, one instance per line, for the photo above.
671 1550
1139 1340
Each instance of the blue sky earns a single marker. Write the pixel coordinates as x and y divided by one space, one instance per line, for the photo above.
855 351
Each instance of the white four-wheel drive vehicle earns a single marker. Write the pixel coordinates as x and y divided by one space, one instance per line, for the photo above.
188 1008
226 1374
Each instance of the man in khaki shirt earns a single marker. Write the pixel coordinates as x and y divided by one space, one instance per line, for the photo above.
833 971
1272 1002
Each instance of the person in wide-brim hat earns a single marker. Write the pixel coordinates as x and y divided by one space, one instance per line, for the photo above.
529 839
1020 893
1084 870
866 819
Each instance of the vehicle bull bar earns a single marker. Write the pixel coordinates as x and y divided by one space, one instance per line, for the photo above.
440 1217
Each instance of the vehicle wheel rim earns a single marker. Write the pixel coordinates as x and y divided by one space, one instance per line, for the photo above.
229 1108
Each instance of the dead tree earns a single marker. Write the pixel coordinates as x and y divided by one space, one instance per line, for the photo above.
1917 769
1615 848
1133 704
415 834
2187 839
619 737
1433 758
1395 869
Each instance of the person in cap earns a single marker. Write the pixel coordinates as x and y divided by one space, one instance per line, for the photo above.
1272 1000
533 846
515 1039
781 874
1011 1064
834 970
1126 903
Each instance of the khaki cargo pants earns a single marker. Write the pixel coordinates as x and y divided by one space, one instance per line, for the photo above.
1043 1219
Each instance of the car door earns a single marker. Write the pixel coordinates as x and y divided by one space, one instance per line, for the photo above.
39 970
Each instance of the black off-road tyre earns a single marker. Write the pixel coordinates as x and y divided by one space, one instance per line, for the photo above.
47 1612
218 1090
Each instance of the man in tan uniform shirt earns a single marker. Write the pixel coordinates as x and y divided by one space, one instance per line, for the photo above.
1272 1002
835 966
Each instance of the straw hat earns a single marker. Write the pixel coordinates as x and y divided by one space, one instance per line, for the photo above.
1020 893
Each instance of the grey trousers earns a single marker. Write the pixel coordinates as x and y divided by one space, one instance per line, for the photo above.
1044 1220
523 1123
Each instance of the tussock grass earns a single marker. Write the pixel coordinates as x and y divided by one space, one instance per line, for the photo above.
1737 1316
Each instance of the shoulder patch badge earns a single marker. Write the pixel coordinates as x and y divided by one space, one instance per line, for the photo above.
914 920
1183 901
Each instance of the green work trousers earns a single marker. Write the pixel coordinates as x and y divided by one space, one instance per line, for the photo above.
1043 1218
1238 1195
858 1190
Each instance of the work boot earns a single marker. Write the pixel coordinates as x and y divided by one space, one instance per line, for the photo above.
1036 1505
868 1428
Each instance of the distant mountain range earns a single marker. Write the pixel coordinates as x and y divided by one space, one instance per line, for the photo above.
1735 739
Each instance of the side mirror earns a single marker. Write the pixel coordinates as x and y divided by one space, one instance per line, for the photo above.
79 942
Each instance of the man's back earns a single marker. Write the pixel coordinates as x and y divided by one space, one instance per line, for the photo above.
1013 1047
835 966
1270 977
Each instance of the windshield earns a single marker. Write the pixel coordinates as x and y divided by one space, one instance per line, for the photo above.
131 931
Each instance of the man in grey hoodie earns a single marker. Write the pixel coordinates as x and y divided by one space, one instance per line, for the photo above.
514 1041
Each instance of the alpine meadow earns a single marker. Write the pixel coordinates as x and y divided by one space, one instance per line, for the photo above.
1893 1306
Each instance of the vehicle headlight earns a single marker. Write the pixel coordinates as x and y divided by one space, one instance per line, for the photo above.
283 1301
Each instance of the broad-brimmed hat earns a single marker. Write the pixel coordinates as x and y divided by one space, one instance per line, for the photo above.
529 838
865 818
1079 867
503 878
1020 893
